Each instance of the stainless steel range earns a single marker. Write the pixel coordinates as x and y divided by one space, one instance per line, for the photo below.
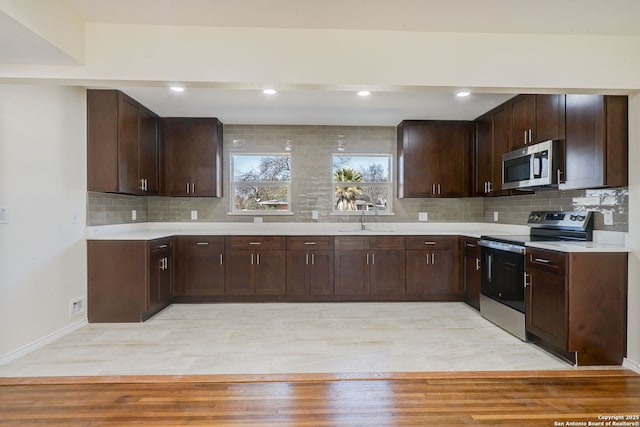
502 298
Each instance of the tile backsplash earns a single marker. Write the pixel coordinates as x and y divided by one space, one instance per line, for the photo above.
311 149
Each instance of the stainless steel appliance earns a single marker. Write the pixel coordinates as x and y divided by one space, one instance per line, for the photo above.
502 298
534 166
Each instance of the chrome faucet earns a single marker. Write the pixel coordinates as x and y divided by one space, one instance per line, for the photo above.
363 225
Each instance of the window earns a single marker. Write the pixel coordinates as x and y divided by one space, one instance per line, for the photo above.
260 183
362 182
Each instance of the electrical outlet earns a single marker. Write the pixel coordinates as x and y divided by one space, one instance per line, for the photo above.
314 214
423 216
75 217
257 219
77 306
134 215
194 215
495 216
4 215
608 217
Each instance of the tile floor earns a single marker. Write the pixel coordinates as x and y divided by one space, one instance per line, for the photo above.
288 338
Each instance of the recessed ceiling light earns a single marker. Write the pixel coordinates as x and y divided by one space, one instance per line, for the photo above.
463 94
364 93
176 88
269 91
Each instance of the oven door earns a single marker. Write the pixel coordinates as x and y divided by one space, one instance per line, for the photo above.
503 276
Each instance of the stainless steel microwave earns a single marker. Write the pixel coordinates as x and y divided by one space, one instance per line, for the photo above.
533 166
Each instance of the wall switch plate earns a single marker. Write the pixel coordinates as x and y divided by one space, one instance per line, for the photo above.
134 215
314 214
4 215
257 219
194 215
423 216
608 217
495 216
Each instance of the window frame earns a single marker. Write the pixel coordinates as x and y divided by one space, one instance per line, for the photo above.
389 184
233 184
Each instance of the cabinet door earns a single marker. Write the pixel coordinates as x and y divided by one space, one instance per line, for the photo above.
522 120
450 159
471 277
298 272
483 154
175 155
204 144
387 273
166 279
442 280
417 163
148 151
351 273
270 272
321 274
546 307
549 117
501 144
417 272
156 280
200 266
128 146
239 279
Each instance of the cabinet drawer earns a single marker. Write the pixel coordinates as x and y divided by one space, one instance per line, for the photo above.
432 242
352 243
255 242
551 261
310 242
160 244
387 242
214 243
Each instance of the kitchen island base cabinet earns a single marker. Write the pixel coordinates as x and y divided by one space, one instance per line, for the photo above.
575 304
128 280
433 268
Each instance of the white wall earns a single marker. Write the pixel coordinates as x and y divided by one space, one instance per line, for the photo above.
42 182
633 308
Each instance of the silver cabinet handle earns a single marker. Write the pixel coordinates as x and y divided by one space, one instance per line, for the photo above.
560 173
433 258
187 188
162 246
161 264
490 185
525 137
426 257
255 243
193 188
439 192
313 259
429 243
142 184
527 280
542 260
530 133
373 259
306 259
202 243
258 259
309 243
470 245
433 189
251 259
221 259
477 264
367 259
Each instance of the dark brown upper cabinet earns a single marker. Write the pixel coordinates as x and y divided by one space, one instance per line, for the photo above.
122 144
491 141
191 157
596 145
434 158
536 118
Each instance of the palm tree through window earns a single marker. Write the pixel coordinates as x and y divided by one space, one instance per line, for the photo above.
362 182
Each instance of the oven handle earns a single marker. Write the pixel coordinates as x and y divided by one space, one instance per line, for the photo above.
518 249
489 265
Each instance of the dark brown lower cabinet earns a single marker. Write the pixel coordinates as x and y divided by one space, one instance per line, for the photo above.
199 266
256 265
372 267
471 272
433 268
310 265
128 280
575 304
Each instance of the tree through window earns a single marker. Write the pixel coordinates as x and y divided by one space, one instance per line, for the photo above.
261 182
362 182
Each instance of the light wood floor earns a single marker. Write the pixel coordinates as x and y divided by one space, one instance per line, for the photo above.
528 398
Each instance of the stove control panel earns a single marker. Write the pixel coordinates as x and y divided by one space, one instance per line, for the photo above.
566 220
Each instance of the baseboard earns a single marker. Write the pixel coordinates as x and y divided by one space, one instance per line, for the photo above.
41 342
631 364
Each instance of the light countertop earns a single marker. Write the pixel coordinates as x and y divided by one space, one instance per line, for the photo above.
604 241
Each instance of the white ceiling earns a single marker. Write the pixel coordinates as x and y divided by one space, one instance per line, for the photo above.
328 105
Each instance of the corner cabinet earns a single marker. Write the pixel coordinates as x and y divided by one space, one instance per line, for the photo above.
596 145
191 157
434 158
575 304
491 142
128 280
122 144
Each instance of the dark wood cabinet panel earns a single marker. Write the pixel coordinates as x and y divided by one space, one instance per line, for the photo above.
128 281
122 153
471 272
351 273
387 273
310 265
432 270
256 265
573 304
523 120
240 275
200 266
596 145
434 159
492 141
536 118
191 157
270 272
483 165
